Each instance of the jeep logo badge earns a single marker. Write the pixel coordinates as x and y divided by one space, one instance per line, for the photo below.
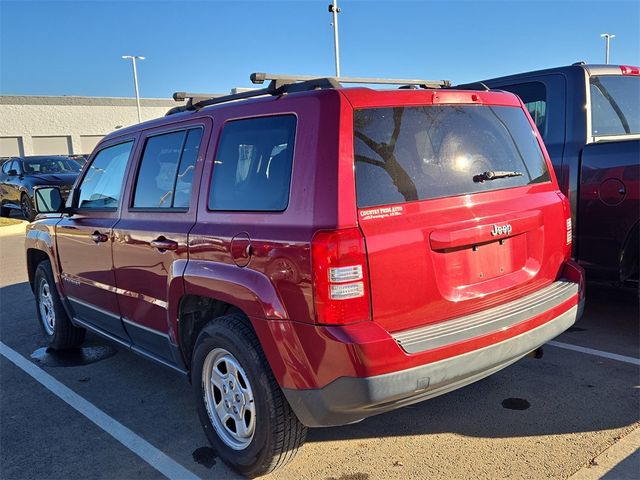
501 230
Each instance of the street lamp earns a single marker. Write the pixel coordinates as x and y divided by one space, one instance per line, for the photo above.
135 79
335 10
607 37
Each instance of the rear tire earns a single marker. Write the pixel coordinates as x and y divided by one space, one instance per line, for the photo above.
229 370
60 333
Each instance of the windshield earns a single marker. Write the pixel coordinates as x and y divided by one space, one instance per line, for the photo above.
47 165
405 154
615 105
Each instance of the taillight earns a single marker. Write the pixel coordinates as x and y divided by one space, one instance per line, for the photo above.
340 277
566 207
629 70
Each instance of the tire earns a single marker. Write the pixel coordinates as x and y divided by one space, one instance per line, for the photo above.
60 333
267 432
4 211
27 208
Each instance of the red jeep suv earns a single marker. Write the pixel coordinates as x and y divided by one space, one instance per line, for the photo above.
311 255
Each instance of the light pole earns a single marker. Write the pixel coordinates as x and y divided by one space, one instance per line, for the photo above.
335 10
135 79
607 37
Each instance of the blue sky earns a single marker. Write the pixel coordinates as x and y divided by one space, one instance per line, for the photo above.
74 48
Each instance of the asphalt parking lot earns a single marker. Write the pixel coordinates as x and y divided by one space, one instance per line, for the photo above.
546 418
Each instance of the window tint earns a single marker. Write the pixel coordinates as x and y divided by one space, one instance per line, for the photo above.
101 185
252 169
615 105
534 97
166 170
405 154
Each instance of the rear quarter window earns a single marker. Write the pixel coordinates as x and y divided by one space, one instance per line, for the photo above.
252 170
406 154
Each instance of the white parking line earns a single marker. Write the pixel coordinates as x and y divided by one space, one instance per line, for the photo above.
597 353
138 445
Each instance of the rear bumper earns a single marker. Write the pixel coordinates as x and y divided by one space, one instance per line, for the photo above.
350 399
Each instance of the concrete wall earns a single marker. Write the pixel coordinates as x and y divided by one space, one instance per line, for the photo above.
38 125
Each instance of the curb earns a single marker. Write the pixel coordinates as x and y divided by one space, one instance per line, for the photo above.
13 229
619 461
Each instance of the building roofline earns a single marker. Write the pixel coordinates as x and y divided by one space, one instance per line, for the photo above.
73 100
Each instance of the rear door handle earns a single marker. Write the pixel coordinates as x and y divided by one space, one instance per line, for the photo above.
163 244
99 237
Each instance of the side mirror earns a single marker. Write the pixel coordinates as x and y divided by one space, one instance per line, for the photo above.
48 200
12 173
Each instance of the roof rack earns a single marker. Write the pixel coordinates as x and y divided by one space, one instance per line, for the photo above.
282 84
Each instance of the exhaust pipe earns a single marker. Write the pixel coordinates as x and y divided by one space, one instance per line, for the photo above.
537 353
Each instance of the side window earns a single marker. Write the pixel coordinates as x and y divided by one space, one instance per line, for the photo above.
534 96
102 183
166 170
7 166
252 170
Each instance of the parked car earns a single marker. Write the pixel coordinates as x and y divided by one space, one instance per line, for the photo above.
311 255
19 176
589 118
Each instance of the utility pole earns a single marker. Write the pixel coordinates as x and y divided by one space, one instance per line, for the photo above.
607 37
335 10
135 80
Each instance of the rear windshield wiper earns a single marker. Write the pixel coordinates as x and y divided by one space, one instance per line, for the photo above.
492 175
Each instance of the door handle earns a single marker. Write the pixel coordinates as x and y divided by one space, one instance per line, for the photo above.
163 244
99 237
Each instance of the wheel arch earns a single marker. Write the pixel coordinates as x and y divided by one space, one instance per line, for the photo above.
40 246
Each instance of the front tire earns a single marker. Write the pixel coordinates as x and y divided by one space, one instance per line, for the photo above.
27 208
60 333
241 407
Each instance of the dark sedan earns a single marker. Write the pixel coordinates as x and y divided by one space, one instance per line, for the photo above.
19 175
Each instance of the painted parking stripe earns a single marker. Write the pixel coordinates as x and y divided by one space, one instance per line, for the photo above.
597 353
138 445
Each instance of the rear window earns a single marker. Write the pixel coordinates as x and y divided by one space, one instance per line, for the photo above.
252 169
404 154
615 105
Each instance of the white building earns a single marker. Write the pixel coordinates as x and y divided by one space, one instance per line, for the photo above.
43 125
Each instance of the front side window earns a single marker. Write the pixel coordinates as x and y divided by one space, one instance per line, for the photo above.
101 186
166 170
615 105
406 154
252 170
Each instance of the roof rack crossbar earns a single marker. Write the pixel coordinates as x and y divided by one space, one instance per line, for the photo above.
260 77
472 86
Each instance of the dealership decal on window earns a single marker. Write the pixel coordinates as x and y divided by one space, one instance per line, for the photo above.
381 212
